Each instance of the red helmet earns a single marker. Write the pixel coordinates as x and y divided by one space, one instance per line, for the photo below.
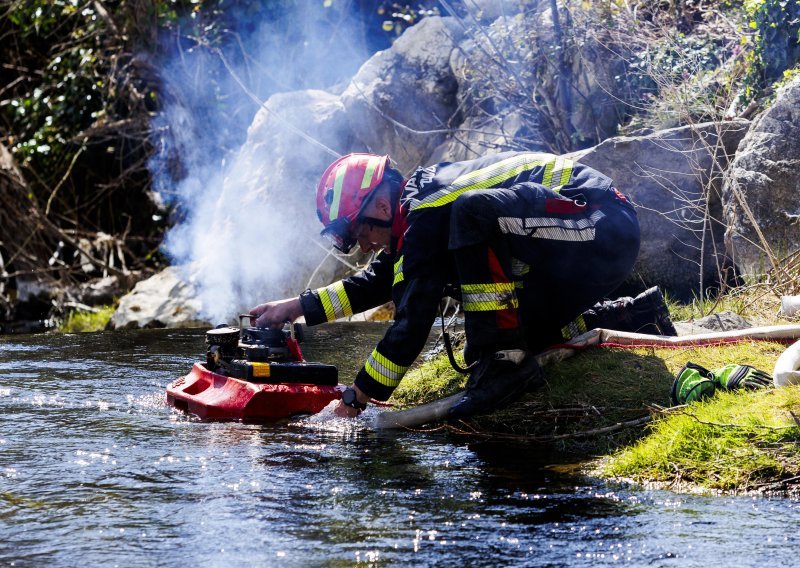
341 194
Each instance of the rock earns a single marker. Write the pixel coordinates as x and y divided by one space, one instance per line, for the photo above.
596 101
163 300
403 98
689 328
723 321
761 186
673 176
484 135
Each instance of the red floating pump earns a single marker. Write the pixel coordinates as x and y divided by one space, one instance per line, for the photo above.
254 375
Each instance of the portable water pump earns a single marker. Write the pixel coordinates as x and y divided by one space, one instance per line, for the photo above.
254 374
264 355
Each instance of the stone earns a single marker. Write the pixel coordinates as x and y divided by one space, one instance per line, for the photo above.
674 178
760 193
255 238
163 300
723 321
403 99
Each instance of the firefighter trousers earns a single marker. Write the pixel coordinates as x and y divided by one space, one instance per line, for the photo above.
530 261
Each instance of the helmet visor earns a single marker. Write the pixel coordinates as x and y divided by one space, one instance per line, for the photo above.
339 234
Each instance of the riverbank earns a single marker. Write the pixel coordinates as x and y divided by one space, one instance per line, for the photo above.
609 408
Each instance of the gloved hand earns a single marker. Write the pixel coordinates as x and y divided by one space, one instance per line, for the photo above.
732 377
693 382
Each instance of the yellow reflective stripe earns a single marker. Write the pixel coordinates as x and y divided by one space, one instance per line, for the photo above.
335 301
371 165
491 287
337 193
384 371
398 271
566 173
488 297
574 328
490 176
518 270
547 178
557 173
326 304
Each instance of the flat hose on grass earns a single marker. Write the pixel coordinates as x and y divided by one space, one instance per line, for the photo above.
437 410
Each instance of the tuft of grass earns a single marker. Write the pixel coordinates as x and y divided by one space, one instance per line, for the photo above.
79 321
737 441
427 382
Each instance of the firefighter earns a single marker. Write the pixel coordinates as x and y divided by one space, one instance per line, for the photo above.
528 242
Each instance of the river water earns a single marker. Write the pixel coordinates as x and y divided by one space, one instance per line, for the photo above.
96 470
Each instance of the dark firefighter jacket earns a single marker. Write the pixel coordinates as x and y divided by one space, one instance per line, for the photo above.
417 274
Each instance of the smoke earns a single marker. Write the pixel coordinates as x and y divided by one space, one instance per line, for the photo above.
240 234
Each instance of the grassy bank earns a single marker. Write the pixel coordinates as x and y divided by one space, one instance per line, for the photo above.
82 321
733 442
610 403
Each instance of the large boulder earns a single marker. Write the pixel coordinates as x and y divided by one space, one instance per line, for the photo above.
163 300
674 177
760 192
403 99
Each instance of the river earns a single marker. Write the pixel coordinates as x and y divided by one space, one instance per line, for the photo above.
96 470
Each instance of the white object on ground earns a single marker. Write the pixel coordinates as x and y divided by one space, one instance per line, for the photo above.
786 367
789 305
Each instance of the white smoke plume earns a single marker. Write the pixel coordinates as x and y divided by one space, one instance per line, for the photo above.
243 236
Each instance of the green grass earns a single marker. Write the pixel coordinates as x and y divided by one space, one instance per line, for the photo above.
82 321
586 397
736 442
701 307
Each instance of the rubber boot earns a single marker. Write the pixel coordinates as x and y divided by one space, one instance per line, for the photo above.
498 379
646 313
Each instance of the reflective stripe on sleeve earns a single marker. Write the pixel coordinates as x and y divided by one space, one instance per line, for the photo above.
335 301
398 271
384 371
519 270
574 328
488 297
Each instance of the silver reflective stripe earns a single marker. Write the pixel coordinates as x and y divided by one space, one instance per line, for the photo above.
551 228
383 370
487 297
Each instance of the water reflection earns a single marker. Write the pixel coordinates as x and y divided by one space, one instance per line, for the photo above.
95 469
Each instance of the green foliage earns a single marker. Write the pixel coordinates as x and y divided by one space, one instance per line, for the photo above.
79 321
67 93
777 25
